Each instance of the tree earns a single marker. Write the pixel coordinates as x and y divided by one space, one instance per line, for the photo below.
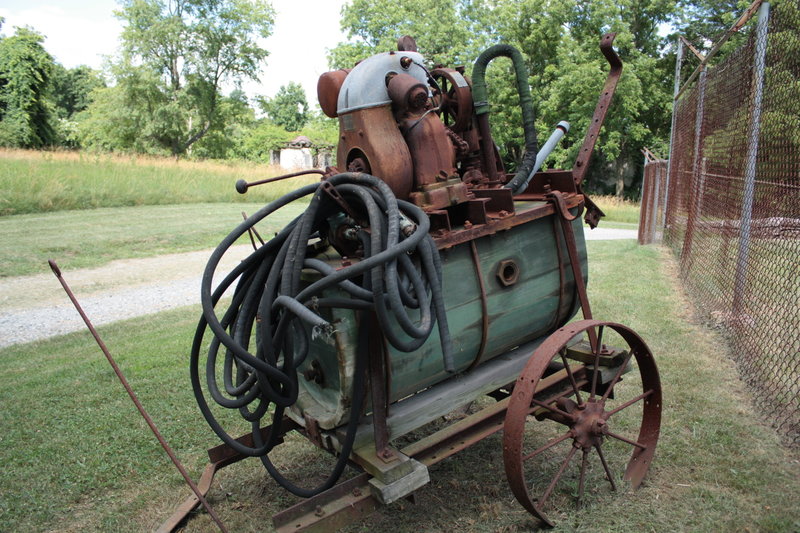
702 22
323 131
447 31
288 108
72 88
236 119
260 141
176 54
560 40
25 71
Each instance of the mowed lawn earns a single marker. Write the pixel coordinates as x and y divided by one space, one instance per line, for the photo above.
76 456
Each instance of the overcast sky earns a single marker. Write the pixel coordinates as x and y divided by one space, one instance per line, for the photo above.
81 32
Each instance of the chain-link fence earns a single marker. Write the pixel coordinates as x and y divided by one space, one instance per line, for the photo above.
733 206
654 191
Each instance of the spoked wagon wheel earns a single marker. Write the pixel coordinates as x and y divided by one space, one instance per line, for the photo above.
568 404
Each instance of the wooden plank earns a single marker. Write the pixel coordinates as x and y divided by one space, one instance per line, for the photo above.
437 401
388 493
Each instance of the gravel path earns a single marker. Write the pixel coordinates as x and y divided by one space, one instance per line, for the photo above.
35 307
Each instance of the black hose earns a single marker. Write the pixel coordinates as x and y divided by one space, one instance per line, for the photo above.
397 272
480 95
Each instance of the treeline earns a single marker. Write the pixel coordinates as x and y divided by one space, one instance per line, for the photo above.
163 92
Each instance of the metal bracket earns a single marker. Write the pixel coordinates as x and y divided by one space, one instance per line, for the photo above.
572 248
582 162
331 191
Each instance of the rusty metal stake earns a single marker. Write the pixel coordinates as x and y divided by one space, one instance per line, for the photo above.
139 406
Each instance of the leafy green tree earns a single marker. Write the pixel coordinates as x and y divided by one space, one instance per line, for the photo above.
236 119
288 108
447 31
640 113
132 116
175 57
702 22
25 111
560 40
259 143
71 89
70 93
323 131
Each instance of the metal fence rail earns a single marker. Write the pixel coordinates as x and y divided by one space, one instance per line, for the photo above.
651 211
733 210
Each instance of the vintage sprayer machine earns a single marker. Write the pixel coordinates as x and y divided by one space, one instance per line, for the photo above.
422 279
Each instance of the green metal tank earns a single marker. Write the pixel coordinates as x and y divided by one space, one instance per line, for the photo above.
530 292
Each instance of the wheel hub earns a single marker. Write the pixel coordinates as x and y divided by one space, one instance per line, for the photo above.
589 424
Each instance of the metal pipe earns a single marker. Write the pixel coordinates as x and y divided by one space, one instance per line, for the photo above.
242 185
136 402
698 129
670 156
740 279
733 29
561 129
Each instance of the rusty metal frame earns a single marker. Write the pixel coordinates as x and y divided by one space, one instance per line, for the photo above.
566 219
379 389
218 458
476 261
352 500
582 162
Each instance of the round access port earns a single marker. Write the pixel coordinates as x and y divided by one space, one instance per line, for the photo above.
508 272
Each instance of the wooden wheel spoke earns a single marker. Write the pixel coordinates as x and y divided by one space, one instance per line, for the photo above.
627 404
557 477
627 441
605 466
571 377
596 370
547 446
618 375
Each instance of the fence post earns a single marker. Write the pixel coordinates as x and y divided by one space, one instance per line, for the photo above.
644 217
678 64
654 209
688 235
740 279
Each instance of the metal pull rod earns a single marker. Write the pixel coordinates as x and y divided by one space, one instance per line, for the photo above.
137 403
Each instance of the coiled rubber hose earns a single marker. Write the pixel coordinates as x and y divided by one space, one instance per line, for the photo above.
397 273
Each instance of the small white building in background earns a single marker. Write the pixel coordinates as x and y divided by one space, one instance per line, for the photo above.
298 155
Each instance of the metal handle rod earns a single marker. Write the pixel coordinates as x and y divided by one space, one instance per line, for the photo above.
139 406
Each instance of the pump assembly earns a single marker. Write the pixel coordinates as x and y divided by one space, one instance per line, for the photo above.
422 279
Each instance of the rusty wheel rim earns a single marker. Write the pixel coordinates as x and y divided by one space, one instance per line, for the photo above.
577 399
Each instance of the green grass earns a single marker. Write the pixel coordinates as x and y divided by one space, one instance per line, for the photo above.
36 182
617 210
77 457
617 225
92 237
